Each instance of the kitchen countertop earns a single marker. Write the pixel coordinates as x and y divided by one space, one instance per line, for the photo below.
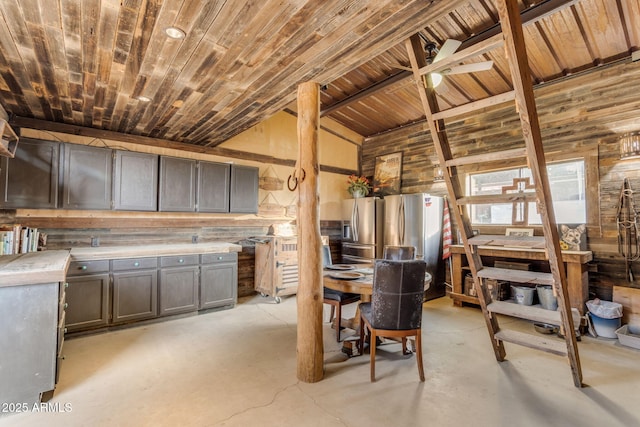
120 252
34 268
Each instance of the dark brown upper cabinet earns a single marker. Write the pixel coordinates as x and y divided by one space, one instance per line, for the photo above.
177 189
87 175
244 189
136 181
30 179
213 187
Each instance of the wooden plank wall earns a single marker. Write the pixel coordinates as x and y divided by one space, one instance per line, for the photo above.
583 116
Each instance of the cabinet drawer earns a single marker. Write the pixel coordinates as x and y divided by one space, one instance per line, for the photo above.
134 264
178 261
221 257
87 267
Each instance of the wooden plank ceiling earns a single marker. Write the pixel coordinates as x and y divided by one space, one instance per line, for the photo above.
85 63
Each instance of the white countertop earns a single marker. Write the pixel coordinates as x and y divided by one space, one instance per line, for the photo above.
120 252
34 268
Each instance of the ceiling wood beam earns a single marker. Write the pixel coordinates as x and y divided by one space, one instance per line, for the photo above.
528 16
366 92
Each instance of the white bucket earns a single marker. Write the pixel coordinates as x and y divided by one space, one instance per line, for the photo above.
522 294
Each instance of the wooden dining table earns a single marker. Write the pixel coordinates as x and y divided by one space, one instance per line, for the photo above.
362 285
339 279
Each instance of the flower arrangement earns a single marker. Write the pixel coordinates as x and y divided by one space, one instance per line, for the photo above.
358 185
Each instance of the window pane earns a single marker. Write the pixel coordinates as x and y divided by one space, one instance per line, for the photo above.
491 183
566 181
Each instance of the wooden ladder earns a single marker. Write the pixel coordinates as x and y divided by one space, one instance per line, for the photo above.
513 41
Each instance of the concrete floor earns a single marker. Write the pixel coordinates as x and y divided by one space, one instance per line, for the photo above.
238 368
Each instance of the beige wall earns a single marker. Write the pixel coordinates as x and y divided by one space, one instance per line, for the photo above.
277 136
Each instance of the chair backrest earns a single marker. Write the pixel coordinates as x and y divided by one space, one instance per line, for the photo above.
326 256
399 252
398 293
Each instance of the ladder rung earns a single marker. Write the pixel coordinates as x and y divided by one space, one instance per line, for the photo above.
528 242
519 276
497 198
515 153
549 343
531 312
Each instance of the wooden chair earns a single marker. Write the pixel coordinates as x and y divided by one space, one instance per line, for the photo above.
395 310
336 299
398 253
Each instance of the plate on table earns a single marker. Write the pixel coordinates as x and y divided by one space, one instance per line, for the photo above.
346 275
339 267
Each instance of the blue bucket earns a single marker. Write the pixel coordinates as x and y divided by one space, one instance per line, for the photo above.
605 328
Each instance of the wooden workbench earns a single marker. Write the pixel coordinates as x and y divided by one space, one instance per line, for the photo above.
575 263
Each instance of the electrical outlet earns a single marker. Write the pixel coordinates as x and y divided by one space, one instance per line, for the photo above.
194 239
95 242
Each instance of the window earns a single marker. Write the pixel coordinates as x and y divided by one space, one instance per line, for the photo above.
567 183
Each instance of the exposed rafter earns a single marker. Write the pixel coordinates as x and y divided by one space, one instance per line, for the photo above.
529 16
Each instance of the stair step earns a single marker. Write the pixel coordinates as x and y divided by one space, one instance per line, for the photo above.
528 242
548 343
515 153
519 276
531 312
497 198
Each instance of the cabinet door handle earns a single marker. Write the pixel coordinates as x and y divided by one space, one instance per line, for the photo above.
219 258
66 305
66 284
180 261
136 264
84 267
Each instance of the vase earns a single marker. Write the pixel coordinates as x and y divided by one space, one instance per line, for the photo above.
357 193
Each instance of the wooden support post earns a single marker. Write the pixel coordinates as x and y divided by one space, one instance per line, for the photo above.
310 349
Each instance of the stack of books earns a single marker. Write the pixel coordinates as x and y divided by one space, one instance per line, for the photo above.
16 239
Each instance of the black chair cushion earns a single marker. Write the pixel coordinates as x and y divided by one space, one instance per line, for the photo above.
338 295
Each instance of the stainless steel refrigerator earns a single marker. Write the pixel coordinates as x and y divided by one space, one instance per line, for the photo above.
362 229
416 220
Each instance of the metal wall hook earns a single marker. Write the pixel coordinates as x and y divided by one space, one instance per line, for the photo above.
295 180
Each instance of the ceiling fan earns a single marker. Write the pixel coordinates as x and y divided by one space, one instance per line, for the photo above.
448 48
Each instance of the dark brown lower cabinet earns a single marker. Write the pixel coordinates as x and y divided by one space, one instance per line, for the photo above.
87 301
135 289
87 295
179 284
218 280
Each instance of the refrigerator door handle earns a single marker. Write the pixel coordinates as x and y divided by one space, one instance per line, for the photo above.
401 222
354 221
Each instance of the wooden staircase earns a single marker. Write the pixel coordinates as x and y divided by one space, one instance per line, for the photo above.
513 40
